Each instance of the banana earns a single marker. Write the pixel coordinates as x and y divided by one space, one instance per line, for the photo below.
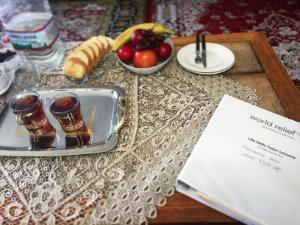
124 37
161 29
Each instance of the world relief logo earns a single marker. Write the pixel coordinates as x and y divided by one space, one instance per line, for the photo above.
278 128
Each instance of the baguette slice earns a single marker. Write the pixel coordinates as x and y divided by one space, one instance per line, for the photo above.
91 62
74 69
82 57
89 51
105 43
97 48
110 41
95 39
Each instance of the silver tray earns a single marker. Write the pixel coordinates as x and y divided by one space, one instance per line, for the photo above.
103 113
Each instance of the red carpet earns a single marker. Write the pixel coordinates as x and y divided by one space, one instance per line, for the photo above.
279 20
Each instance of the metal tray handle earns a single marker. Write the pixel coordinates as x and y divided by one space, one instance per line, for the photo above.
122 104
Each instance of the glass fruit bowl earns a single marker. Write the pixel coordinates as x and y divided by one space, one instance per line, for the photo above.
149 70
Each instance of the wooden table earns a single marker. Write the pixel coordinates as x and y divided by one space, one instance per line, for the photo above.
278 94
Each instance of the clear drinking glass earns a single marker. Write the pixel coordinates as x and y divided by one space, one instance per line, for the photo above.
28 108
19 73
66 109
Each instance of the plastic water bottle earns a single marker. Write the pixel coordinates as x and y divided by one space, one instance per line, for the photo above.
32 31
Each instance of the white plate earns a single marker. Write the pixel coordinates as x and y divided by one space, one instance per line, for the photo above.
219 59
207 73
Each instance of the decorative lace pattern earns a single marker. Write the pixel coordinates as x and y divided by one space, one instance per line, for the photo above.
165 114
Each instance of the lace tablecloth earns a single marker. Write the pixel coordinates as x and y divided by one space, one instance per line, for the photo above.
165 115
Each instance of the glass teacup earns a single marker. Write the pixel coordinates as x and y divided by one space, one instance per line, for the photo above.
65 107
28 108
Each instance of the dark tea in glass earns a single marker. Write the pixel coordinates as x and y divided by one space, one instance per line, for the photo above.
66 109
28 108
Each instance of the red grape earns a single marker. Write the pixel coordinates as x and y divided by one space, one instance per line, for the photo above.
147 39
161 37
149 33
138 36
139 47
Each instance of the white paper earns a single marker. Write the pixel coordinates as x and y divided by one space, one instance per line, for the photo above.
247 165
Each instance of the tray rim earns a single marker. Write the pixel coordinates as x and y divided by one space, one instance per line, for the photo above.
109 145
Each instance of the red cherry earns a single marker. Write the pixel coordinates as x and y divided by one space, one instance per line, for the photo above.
144 59
164 51
125 54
